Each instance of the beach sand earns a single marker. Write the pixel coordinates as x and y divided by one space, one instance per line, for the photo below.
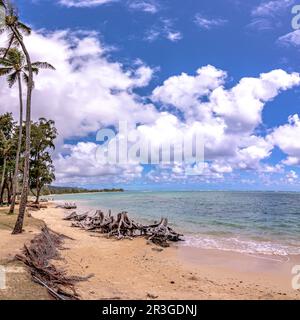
133 269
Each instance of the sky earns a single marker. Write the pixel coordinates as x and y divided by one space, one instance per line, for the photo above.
227 70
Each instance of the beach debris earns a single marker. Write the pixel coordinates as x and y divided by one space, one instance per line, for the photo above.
151 296
123 227
157 249
36 206
67 206
43 248
161 233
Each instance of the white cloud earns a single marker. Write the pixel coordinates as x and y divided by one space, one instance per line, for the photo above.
227 118
292 38
267 15
174 36
81 165
286 137
149 6
164 29
291 177
86 88
271 8
209 23
89 91
84 3
86 92
184 91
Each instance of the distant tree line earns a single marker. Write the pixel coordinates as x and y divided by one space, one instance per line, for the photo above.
47 190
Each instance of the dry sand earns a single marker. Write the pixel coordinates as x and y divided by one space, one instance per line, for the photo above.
133 269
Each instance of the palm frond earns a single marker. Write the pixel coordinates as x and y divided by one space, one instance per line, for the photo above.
26 79
43 65
15 56
2 29
5 63
23 28
11 41
5 71
12 78
33 68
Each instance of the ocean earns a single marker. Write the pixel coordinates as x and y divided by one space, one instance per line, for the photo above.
265 223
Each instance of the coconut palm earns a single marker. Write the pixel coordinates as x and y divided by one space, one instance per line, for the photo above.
15 68
11 24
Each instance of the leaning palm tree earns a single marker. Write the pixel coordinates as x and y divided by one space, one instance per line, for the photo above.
11 24
15 68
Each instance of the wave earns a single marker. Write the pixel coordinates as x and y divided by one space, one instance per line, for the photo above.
241 245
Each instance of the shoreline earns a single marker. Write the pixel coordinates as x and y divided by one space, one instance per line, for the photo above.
212 242
184 272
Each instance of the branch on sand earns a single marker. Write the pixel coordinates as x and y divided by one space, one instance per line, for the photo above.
43 248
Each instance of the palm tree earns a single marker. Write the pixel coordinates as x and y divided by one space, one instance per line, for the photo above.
5 146
10 23
15 68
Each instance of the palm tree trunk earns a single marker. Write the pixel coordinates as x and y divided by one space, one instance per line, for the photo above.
24 196
38 193
15 179
3 179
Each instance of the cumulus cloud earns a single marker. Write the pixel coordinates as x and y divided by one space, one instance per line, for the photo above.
89 91
86 89
86 92
81 165
286 137
226 118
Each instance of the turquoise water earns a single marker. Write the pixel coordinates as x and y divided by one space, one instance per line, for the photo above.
252 222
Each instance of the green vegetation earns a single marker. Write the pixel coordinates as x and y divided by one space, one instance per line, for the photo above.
43 134
65 190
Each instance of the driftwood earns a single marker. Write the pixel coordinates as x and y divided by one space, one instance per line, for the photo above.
121 227
161 233
36 206
67 206
43 248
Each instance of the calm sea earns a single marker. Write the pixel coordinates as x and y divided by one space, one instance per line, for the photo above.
251 222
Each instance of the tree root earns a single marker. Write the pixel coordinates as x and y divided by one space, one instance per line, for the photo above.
122 227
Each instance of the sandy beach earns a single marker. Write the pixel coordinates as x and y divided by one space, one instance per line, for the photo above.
133 269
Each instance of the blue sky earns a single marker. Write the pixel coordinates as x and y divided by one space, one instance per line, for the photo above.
169 37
